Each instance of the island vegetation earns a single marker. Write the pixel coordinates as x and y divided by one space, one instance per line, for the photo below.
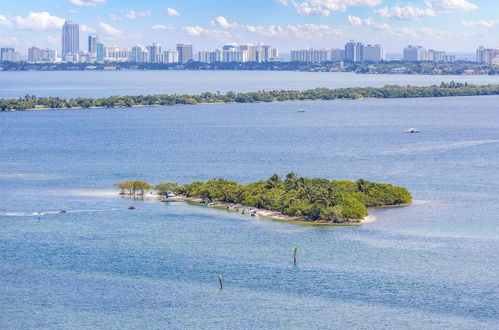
299 198
366 67
444 89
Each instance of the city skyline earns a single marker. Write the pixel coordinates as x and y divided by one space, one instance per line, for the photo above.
454 25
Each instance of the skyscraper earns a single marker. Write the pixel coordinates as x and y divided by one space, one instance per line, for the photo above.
373 53
155 53
92 44
70 38
184 52
354 51
414 53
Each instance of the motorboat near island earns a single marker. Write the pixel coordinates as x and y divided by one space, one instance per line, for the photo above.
412 130
169 196
301 110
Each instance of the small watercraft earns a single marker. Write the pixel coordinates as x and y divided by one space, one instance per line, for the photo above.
412 130
169 196
63 211
131 207
300 110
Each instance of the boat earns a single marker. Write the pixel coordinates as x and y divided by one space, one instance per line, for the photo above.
169 196
63 211
131 207
412 130
300 110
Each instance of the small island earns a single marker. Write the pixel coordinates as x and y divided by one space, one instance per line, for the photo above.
31 102
295 199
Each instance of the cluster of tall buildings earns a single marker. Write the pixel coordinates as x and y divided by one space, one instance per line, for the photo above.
241 53
414 53
352 52
97 51
487 55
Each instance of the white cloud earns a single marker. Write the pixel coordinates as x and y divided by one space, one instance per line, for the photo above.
172 12
72 11
163 27
132 14
82 3
10 41
36 21
109 30
450 5
407 13
86 29
325 7
5 21
113 17
282 2
354 20
481 23
224 23
198 31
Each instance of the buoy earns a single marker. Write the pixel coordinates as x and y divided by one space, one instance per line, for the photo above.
220 280
295 255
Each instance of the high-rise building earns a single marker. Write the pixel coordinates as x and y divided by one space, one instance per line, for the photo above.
92 44
34 54
70 38
207 56
185 53
354 51
9 55
414 54
266 53
337 55
155 53
100 52
486 55
170 56
310 55
234 55
139 54
374 53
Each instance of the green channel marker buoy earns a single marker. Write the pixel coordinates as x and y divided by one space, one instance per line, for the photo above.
295 254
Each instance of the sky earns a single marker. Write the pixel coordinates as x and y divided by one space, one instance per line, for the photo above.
457 26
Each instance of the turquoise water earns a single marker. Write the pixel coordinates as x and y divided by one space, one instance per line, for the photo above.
430 265
107 83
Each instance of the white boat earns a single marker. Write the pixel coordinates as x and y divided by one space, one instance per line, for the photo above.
412 130
169 196
300 110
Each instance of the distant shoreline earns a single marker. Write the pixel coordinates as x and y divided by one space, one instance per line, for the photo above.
319 94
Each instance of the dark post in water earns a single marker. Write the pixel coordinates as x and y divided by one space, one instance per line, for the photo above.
295 254
220 280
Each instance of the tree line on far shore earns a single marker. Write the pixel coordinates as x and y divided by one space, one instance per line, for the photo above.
395 91
309 198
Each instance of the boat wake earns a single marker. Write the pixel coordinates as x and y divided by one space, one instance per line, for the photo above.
418 148
42 213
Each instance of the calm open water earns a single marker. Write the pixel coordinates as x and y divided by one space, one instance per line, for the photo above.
107 83
430 265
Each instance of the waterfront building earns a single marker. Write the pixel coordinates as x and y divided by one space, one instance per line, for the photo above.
155 53
266 53
139 54
486 55
337 55
310 55
207 56
354 51
374 53
414 53
185 52
70 38
100 52
92 44
234 55
116 54
9 55
37 55
274 54
171 56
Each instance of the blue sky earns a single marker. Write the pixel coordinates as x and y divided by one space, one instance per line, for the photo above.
452 25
